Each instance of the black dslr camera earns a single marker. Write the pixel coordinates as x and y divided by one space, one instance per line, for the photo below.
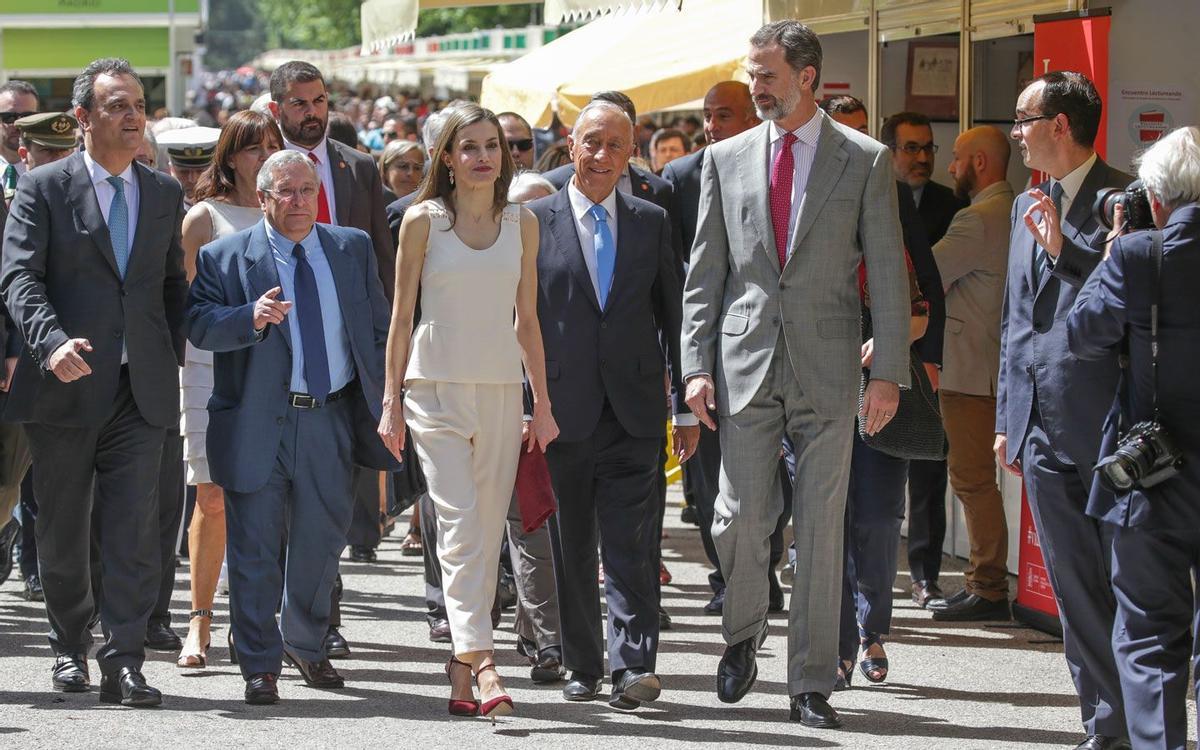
1135 201
1145 456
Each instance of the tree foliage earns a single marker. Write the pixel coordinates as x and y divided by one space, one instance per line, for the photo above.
455 20
234 35
311 24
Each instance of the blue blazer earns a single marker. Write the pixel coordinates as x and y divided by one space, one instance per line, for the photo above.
252 377
1035 363
1115 303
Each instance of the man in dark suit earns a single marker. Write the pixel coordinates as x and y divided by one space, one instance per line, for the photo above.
284 454
609 299
1050 406
93 276
351 195
910 137
1156 537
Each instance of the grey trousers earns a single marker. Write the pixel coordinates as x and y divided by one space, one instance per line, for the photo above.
748 509
533 569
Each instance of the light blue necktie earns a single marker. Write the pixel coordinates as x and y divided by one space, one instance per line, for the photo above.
118 225
606 251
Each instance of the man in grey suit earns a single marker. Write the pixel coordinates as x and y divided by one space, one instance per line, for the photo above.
772 341
291 413
93 277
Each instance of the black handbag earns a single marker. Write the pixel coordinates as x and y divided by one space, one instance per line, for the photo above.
408 484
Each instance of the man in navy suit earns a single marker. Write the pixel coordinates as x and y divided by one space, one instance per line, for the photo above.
291 413
609 300
1156 542
1050 405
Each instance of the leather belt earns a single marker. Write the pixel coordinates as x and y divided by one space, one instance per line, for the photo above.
305 401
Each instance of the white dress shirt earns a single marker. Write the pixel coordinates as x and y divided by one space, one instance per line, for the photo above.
104 196
324 171
804 150
1070 186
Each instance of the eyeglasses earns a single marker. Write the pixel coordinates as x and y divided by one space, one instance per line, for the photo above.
8 118
409 167
522 144
305 193
912 149
1021 121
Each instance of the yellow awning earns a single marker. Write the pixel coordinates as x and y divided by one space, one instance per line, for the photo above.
660 60
386 23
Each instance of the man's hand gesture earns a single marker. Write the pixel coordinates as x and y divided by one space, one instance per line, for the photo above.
67 360
268 309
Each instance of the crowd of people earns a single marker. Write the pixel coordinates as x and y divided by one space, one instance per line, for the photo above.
314 320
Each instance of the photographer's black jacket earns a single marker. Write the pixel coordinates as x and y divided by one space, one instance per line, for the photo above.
1116 299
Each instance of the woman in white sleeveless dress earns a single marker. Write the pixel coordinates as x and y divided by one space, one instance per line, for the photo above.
456 379
226 203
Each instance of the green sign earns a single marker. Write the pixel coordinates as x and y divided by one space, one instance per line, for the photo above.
84 7
73 49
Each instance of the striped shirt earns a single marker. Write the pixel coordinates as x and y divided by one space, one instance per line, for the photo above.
803 152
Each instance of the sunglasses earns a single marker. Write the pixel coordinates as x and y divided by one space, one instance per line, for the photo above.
524 144
8 118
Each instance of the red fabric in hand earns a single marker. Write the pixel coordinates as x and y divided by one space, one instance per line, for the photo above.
535 495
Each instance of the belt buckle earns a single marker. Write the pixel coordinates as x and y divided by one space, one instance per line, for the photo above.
304 401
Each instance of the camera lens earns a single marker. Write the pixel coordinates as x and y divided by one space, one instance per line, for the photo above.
1115 473
1106 201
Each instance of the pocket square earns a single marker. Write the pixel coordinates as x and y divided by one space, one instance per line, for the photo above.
535 495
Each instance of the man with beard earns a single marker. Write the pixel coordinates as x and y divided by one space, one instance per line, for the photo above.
972 258
350 195
17 99
772 343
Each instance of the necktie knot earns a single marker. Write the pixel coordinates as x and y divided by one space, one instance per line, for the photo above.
789 139
1056 195
598 213
298 251
313 155
117 183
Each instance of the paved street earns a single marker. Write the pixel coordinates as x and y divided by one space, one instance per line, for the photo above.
951 686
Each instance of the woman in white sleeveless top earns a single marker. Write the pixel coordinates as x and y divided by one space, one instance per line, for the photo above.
456 379
226 203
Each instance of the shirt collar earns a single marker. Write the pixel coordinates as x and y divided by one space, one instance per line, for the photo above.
581 204
99 174
283 246
1074 180
808 133
989 191
321 149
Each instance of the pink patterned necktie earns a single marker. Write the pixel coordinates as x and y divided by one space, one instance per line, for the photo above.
783 172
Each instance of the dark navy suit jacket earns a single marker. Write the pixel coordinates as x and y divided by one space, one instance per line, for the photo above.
252 376
1072 394
616 353
1115 303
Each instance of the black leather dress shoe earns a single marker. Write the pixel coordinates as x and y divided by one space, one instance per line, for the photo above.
128 687
362 553
8 537
33 589
506 590
317 674
924 591
336 646
1101 742
664 619
71 674
775 601
634 687
812 710
716 605
973 608
262 689
439 631
738 669
936 604
160 637
689 515
582 687
548 666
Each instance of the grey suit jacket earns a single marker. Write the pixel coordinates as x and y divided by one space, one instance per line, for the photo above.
358 196
59 279
251 376
973 259
736 302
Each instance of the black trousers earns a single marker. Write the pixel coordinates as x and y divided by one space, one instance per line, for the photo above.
27 515
170 515
607 492
926 518
364 526
122 458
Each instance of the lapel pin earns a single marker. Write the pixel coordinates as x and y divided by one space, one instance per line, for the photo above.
645 186
341 165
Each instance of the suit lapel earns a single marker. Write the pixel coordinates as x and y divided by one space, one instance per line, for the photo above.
148 195
641 185
261 273
1079 217
566 239
622 268
343 185
754 165
87 207
827 167
344 271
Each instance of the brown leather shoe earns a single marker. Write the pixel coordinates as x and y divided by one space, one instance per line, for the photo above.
318 674
924 591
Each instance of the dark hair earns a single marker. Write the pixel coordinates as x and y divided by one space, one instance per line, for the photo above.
294 71
620 99
553 157
1072 94
842 104
83 91
666 134
436 183
692 120
518 118
20 88
244 129
801 48
887 134
341 129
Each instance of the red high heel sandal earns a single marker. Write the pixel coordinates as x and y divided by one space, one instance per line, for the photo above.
501 705
460 707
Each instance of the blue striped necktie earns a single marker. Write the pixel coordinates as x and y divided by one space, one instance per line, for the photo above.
118 224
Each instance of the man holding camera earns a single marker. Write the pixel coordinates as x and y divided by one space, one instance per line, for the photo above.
1049 404
1142 298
